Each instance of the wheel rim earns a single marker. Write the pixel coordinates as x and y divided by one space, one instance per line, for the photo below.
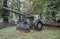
39 25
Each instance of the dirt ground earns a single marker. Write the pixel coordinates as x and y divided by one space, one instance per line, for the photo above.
47 32
44 29
47 26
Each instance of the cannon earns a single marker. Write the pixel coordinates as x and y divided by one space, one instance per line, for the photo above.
36 22
33 21
24 26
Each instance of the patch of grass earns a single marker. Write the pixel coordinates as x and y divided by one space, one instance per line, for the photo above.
10 33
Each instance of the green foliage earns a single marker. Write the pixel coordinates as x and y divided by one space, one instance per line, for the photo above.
38 6
46 8
51 8
1 5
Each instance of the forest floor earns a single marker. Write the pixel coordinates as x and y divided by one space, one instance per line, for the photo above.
45 33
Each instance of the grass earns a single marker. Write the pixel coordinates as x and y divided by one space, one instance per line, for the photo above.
10 33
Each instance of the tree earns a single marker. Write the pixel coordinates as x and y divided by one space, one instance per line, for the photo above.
51 8
5 13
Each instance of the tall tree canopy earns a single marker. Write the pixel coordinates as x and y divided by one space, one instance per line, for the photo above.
45 8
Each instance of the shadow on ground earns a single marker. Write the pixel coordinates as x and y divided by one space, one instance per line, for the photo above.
5 25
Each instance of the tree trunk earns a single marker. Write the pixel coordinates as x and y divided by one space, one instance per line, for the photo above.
5 12
19 5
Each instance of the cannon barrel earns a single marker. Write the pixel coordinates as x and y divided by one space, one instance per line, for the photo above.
18 12
15 11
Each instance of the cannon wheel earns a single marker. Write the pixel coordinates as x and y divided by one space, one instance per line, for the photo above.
39 26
